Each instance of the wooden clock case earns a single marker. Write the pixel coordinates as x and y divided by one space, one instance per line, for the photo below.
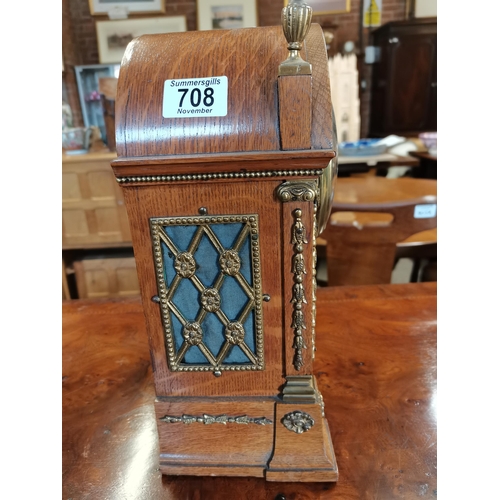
245 404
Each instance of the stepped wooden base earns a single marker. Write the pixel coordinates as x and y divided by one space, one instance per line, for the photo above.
308 456
244 437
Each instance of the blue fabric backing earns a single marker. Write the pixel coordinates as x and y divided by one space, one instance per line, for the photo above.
246 262
181 235
249 331
177 330
233 298
187 298
236 356
227 233
213 333
194 356
168 264
207 262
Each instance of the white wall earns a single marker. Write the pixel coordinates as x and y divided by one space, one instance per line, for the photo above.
425 8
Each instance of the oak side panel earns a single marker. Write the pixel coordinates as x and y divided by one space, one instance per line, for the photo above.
222 197
234 445
295 111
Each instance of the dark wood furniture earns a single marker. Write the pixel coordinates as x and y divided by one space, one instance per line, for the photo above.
363 251
224 211
404 80
375 365
427 168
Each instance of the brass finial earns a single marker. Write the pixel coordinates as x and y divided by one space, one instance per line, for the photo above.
296 21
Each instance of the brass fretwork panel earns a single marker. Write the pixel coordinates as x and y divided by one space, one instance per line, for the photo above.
209 286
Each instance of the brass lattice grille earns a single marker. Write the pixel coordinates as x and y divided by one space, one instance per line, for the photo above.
209 283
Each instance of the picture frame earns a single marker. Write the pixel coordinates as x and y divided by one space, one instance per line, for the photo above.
226 14
114 36
102 7
325 7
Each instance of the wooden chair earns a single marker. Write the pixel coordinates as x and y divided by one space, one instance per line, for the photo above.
364 253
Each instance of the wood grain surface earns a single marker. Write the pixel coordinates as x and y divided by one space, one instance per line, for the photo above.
231 197
249 57
295 111
375 366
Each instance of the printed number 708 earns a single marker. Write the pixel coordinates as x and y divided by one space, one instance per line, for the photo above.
195 97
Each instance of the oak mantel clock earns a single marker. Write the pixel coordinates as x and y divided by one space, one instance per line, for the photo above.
226 154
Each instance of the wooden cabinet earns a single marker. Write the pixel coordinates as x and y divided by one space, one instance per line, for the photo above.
93 212
106 277
97 251
404 80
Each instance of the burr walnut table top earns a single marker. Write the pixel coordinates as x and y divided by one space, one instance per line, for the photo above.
375 366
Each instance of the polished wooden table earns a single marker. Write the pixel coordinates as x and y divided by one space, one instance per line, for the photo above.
348 165
375 366
372 189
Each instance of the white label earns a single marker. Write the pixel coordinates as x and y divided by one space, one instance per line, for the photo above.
425 211
195 97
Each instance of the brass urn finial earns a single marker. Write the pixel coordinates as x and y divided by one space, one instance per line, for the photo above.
296 21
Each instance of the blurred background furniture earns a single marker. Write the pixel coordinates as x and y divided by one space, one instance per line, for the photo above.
363 245
404 80
87 78
95 227
376 164
107 91
427 168
109 438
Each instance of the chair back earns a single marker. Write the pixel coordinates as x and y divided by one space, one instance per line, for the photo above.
363 253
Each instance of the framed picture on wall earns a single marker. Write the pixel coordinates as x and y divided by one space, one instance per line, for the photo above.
102 7
322 7
114 36
226 14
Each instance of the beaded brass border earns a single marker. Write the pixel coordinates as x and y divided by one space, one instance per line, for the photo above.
217 175
252 221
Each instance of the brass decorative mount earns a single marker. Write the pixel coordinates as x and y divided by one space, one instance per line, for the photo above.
296 21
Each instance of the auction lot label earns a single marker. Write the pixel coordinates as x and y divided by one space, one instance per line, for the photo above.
195 97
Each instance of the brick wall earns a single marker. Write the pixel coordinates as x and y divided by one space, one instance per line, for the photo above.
80 42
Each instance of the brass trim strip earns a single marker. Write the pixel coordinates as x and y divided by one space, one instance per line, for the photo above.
218 175
298 294
215 419
314 282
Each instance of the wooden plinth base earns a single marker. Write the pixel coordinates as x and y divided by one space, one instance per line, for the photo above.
245 437
305 456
